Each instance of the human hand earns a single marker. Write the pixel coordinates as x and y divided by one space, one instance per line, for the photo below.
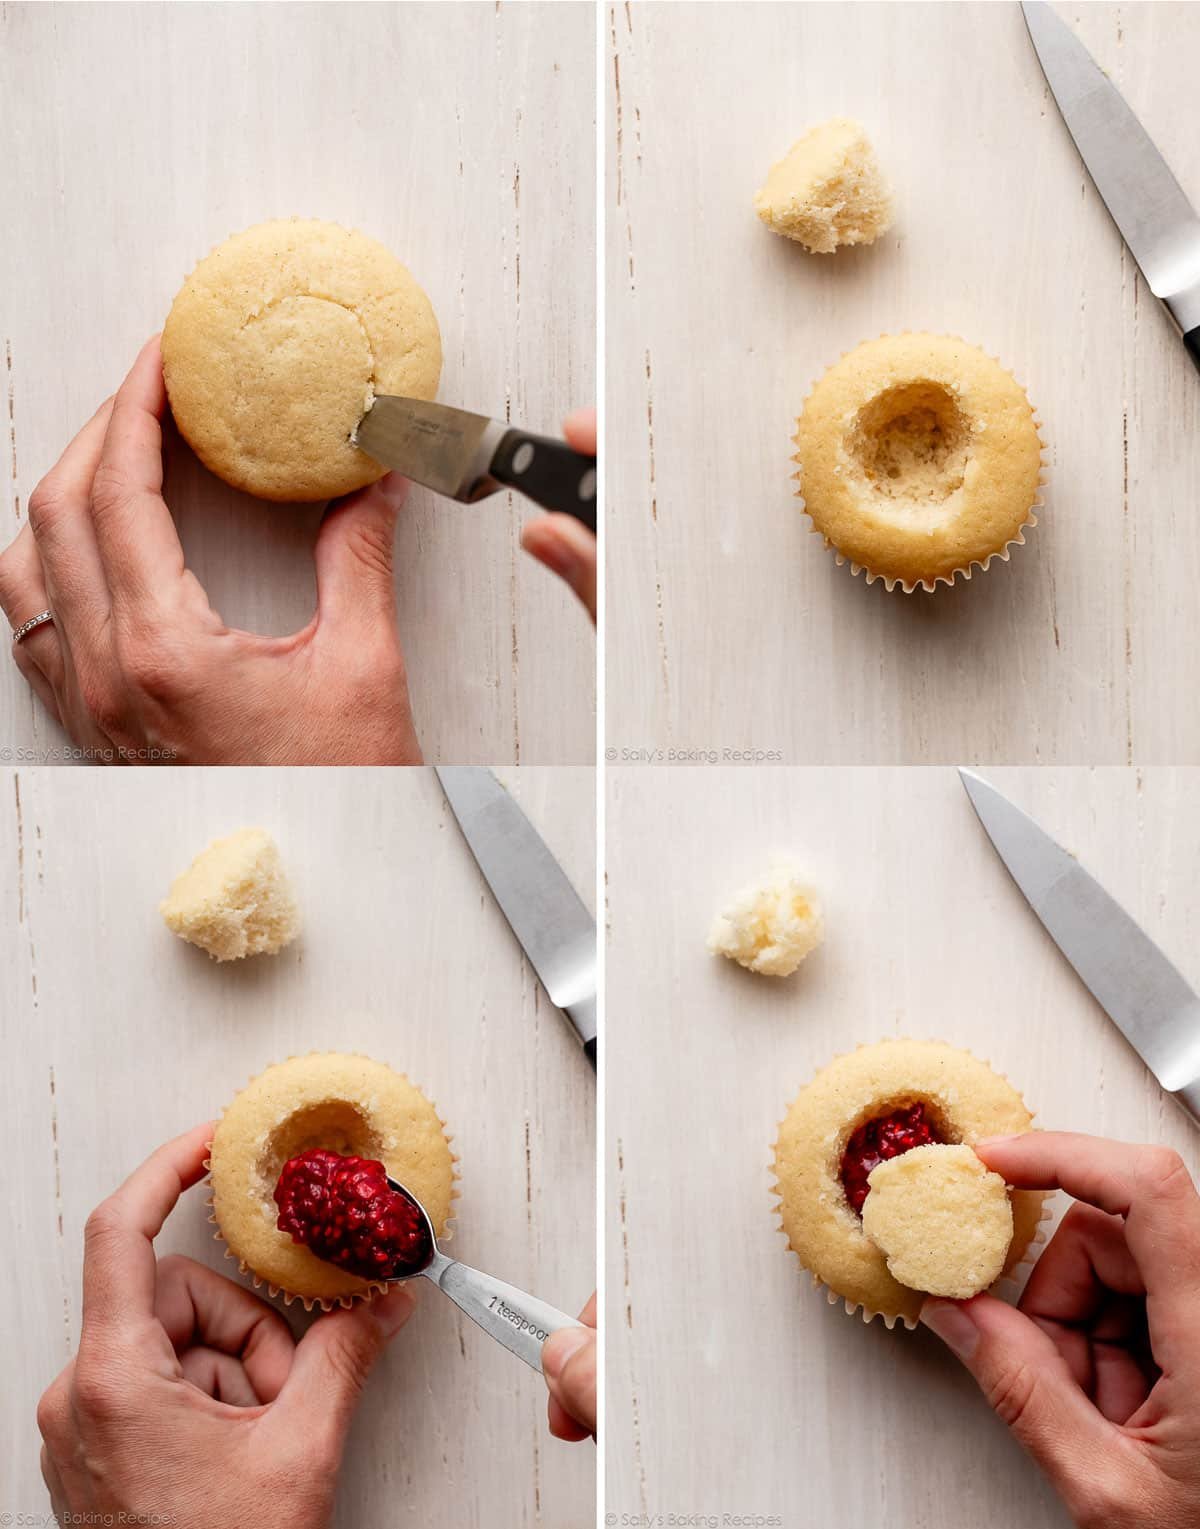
1097 1371
561 542
189 1398
137 665
569 1365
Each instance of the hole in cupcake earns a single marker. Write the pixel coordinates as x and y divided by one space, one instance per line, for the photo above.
343 1209
334 1124
896 1129
912 443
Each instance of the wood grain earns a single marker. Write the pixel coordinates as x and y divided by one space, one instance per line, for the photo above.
735 628
463 136
116 1036
733 1387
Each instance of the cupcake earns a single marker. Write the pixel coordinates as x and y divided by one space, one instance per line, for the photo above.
326 1105
919 458
276 346
868 1108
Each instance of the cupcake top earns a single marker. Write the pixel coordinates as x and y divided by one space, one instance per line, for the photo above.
827 191
867 1108
770 926
919 457
234 899
340 1103
942 1220
276 346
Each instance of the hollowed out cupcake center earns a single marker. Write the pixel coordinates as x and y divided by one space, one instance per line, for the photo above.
911 443
334 1124
889 1132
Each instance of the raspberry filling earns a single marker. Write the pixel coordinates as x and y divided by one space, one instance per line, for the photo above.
876 1141
341 1209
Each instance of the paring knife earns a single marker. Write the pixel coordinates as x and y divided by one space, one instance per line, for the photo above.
1153 216
1143 994
469 456
551 924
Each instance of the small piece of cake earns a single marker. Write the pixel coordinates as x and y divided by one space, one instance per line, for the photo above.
919 459
876 1106
827 191
355 1112
942 1220
234 899
278 343
770 927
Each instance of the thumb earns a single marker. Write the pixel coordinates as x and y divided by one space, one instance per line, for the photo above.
331 1365
1028 1384
569 1365
354 554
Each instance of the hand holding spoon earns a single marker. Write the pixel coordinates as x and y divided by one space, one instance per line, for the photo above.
520 1322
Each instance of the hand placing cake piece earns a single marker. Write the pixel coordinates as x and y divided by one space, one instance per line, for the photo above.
1095 1368
877 1106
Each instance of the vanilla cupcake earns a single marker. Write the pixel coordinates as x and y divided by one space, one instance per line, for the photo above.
338 1103
919 459
867 1108
278 343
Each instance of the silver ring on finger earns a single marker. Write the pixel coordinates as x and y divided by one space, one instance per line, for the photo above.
23 631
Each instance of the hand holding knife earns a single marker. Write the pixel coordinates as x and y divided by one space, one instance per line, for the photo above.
469 456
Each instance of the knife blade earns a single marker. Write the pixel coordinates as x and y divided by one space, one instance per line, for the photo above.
1144 199
1131 979
469 456
552 926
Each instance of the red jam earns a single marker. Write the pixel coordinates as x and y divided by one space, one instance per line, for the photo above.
343 1210
875 1142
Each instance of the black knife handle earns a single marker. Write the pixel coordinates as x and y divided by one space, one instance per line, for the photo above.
549 473
589 1051
1192 341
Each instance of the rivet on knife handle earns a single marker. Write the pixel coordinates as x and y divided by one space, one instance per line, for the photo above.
548 472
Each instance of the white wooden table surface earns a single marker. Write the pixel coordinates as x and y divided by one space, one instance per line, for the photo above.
730 626
733 1387
463 136
116 1036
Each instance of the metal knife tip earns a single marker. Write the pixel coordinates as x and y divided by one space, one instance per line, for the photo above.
972 781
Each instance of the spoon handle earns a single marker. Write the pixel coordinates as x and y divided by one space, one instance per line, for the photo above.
520 1322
